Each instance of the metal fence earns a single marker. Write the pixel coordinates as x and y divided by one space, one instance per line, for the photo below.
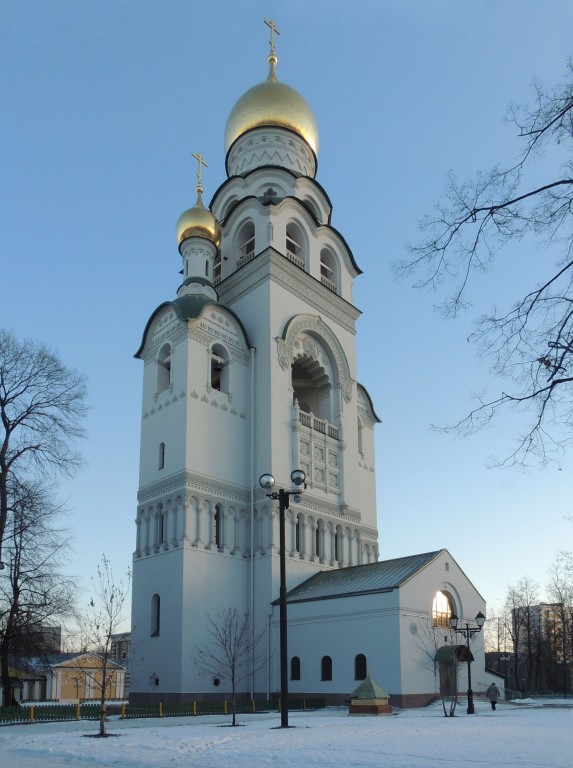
91 711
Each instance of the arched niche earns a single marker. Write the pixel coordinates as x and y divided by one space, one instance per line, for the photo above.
314 327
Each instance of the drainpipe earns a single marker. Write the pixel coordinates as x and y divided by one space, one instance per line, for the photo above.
252 543
269 625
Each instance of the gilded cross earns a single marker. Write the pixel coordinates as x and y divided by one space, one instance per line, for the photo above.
200 161
270 23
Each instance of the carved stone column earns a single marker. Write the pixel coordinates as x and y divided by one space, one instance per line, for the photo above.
138 532
290 531
313 527
231 539
331 533
208 516
198 532
303 537
147 519
165 522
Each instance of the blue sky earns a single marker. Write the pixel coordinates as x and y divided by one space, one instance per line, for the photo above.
103 102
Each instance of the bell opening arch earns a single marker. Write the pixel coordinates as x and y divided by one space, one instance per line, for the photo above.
319 364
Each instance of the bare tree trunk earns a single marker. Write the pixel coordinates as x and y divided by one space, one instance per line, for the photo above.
6 685
102 698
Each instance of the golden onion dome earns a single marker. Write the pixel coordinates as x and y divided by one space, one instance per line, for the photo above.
272 103
198 221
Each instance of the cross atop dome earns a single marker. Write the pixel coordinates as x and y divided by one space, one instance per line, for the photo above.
272 103
199 157
270 23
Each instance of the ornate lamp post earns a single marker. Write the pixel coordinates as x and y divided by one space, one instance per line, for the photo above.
267 481
468 631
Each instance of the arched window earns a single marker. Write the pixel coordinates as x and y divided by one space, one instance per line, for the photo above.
294 244
161 463
310 204
295 668
155 615
160 527
338 545
219 374
230 204
164 368
217 268
328 270
326 668
360 667
441 610
218 520
246 241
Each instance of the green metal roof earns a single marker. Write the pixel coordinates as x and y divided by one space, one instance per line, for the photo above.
190 306
369 689
383 576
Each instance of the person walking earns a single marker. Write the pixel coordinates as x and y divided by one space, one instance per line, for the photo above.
493 694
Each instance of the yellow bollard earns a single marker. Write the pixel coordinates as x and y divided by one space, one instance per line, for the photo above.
225 706
160 709
32 713
78 711
194 708
254 707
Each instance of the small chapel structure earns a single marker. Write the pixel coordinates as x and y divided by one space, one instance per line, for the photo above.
251 368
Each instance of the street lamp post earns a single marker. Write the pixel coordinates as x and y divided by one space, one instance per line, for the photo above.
468 631
267 481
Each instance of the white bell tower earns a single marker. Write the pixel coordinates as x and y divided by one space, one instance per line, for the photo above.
250 369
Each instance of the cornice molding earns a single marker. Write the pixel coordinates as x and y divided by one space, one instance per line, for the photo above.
184 484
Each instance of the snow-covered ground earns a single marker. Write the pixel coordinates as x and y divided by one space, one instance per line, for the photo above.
527 736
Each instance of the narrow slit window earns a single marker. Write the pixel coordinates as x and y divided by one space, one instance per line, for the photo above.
218 520
164 368
155 615
219 374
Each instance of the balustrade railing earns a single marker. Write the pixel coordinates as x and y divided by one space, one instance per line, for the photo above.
245 258
320 425
328 283
295 259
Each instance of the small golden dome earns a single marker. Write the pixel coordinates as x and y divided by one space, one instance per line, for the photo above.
198 222
272 103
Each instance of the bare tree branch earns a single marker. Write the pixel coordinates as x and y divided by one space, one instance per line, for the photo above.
229 653
42 405
34 592
530 345
103 618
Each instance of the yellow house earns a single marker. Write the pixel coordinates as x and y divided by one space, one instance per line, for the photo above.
79 677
